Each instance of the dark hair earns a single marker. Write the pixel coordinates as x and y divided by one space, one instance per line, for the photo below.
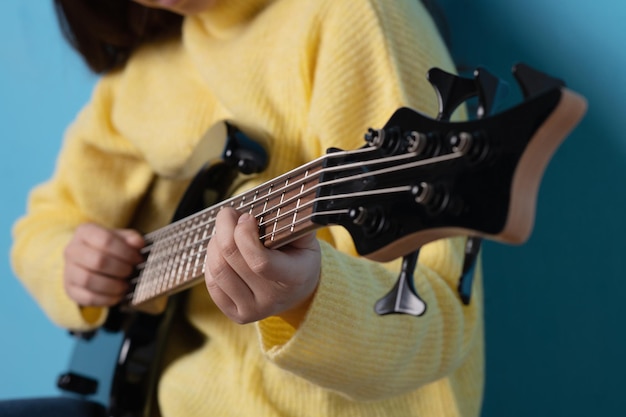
105 32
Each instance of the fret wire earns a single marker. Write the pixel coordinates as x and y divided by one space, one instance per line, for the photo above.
161 267
295 213
256 193
187 264
269 191
209 230
162 279
277 216
188 254
181 254
193 238
142 289
155 270
173 260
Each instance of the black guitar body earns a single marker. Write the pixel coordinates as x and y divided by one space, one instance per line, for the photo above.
118 365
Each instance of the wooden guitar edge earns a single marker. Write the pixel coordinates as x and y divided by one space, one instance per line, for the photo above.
533 163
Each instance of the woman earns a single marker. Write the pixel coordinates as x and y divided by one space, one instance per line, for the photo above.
278 332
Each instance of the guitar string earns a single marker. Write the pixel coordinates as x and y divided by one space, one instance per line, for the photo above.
160 262
210 223
167 265
172 231
201 245
230 201
175 226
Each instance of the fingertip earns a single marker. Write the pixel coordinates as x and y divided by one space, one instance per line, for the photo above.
248 224
133 238
245 217
138 241
246 233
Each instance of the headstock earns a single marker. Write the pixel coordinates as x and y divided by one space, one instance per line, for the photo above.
419 179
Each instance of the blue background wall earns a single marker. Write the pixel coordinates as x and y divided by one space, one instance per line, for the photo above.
42 85
555 323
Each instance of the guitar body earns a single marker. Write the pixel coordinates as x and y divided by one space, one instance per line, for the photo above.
415 180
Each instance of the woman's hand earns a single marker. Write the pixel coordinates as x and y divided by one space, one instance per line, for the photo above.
98 262
250 282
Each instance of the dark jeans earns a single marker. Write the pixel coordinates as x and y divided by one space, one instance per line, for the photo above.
51 407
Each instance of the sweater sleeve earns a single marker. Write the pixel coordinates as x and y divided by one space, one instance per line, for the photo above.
370 61
77 193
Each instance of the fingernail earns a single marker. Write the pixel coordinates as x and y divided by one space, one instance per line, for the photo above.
245 217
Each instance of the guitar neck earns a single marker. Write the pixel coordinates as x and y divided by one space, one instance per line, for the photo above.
175 254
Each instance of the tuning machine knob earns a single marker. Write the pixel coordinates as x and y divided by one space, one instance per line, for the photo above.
387 138
473 145
434 198
372 221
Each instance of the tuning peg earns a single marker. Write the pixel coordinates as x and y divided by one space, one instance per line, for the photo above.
403 297
452 90
534 82
371 221
434 199
491 90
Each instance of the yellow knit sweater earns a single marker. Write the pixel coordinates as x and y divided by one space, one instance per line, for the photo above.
304 75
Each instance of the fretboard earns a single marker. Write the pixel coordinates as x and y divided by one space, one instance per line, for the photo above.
176 254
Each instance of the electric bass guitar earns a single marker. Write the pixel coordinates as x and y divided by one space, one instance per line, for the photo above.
416 179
